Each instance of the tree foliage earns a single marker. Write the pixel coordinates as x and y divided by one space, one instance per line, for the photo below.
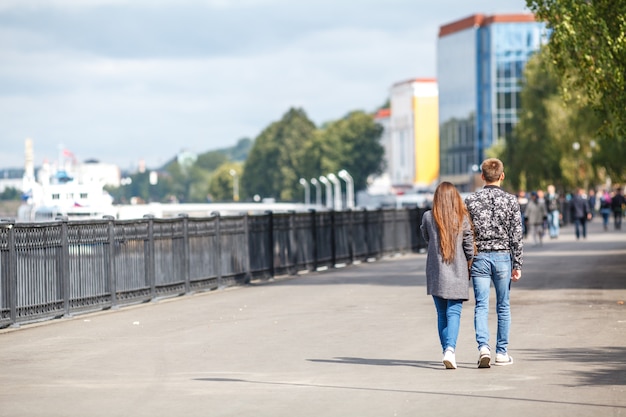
11 193
283 153
353 144
588 48
275 163
240 151
294 148
222 186
210 161
553 142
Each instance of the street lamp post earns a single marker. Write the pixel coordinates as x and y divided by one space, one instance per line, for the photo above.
318 191
307 191
473 171
329 191
333 178
579 173
233 174
343 174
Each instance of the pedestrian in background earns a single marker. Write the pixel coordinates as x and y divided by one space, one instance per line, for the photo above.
447 230
617 205
536 213
591 197
523 202
554 212
605 208
581 212
499 242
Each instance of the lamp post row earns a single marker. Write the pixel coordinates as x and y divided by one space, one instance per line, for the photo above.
329 181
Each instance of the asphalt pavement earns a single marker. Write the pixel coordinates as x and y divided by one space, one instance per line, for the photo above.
354 341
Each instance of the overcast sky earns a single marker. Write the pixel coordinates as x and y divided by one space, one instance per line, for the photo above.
125 80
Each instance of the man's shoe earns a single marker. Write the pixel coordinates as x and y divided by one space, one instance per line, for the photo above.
484 357
503 359
449 361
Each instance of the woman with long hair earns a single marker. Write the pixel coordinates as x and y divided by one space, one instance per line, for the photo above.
447 230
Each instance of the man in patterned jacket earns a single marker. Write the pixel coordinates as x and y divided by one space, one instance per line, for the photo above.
499 241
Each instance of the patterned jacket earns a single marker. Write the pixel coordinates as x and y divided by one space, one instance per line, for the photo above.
497 222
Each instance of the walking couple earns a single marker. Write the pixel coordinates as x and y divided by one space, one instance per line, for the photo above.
480 239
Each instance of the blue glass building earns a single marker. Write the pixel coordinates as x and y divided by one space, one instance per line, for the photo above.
480 64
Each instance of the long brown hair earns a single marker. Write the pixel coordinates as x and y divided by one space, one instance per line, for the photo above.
448 212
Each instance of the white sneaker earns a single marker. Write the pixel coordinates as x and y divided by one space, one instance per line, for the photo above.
484 357
449 360
503 359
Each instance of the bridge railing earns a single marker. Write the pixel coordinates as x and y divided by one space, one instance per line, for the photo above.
61 268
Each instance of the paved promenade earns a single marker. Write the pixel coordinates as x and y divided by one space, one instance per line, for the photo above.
358 341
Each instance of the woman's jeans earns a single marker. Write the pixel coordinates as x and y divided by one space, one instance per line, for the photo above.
491 267
553 223
448 321
606 212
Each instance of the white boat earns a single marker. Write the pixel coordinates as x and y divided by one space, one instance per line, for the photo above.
65 197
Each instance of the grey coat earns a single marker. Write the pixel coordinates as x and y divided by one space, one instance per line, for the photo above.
448 281
535 212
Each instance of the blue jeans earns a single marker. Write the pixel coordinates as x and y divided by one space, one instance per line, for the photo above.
617 216
553 223
448 321
606 212
492 267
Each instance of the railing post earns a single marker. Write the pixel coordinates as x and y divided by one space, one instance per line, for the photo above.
333 244
292 248
218 238
150 267
270 241
314 237
111 276
246 231
11 270
395 231
350 214
407 230
64 266
381 234
184 217
366 234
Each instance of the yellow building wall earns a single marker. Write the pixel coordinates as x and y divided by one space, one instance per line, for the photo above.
426 118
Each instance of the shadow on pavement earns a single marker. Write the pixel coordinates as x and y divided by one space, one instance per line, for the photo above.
607 364
381 362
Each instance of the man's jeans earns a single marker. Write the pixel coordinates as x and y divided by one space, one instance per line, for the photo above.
580 227
553 223
617 216
488 267
448 321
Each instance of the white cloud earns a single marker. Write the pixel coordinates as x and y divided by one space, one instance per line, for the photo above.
138 89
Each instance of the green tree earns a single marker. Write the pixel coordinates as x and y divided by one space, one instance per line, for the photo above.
542 149
222 183
210 161
588 48
353 144
276 160
240 151
10 193
530 154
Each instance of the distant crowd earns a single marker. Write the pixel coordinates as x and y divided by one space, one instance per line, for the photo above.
549 210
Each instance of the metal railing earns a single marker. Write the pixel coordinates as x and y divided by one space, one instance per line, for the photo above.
61 268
